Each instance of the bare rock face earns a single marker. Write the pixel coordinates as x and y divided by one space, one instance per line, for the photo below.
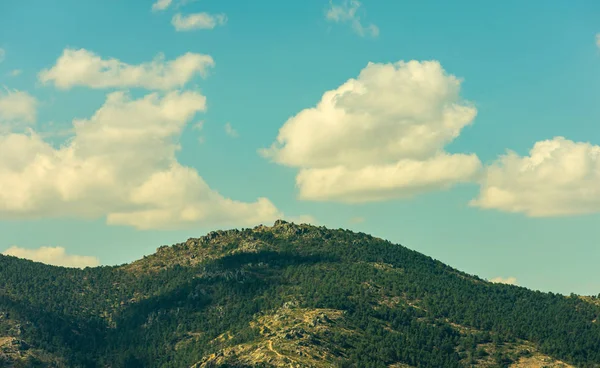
288 228
289 337
280 223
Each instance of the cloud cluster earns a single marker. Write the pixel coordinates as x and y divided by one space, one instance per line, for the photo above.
56 256
559 177
120 163
85 68
195 21
504 280
347 12
379 136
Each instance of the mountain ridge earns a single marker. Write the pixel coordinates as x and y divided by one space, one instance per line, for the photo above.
286 295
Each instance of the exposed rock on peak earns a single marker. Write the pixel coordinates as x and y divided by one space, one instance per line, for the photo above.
280 223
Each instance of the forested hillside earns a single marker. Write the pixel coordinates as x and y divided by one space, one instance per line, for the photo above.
287 295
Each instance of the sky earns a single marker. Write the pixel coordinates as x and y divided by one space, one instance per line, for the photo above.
468 131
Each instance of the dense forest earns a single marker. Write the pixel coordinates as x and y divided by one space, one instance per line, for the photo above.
286 295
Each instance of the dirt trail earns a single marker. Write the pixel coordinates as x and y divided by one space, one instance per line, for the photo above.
270 346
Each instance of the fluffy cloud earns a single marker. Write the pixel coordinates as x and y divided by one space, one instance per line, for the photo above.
197 21
346 12
56 256
161 5
84 68
121 164
230 131
502 280
379 136
559 177
17 106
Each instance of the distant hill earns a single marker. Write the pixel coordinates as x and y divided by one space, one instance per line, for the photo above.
285 296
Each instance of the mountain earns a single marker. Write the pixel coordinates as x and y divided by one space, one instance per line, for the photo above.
285 296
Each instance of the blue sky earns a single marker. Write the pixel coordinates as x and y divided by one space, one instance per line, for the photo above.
530 71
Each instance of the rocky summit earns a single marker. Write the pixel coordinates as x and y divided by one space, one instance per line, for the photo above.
290 295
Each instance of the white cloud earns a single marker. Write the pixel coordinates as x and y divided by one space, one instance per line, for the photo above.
17 106
598 39
15 72
56 256
197 21
161 5
230 131
379 136
85 68
559 177
346 12
503 280
121 163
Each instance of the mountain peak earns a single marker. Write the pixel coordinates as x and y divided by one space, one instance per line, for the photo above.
219 243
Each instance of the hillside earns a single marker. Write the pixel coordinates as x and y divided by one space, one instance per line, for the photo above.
285 296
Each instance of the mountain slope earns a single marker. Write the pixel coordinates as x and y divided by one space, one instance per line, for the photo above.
289 295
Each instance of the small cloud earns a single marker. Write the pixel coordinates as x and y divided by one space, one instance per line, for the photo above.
15 72
230 131
501 280
346 12
598 39
161 5
198 126
197 21
357 220
56 256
